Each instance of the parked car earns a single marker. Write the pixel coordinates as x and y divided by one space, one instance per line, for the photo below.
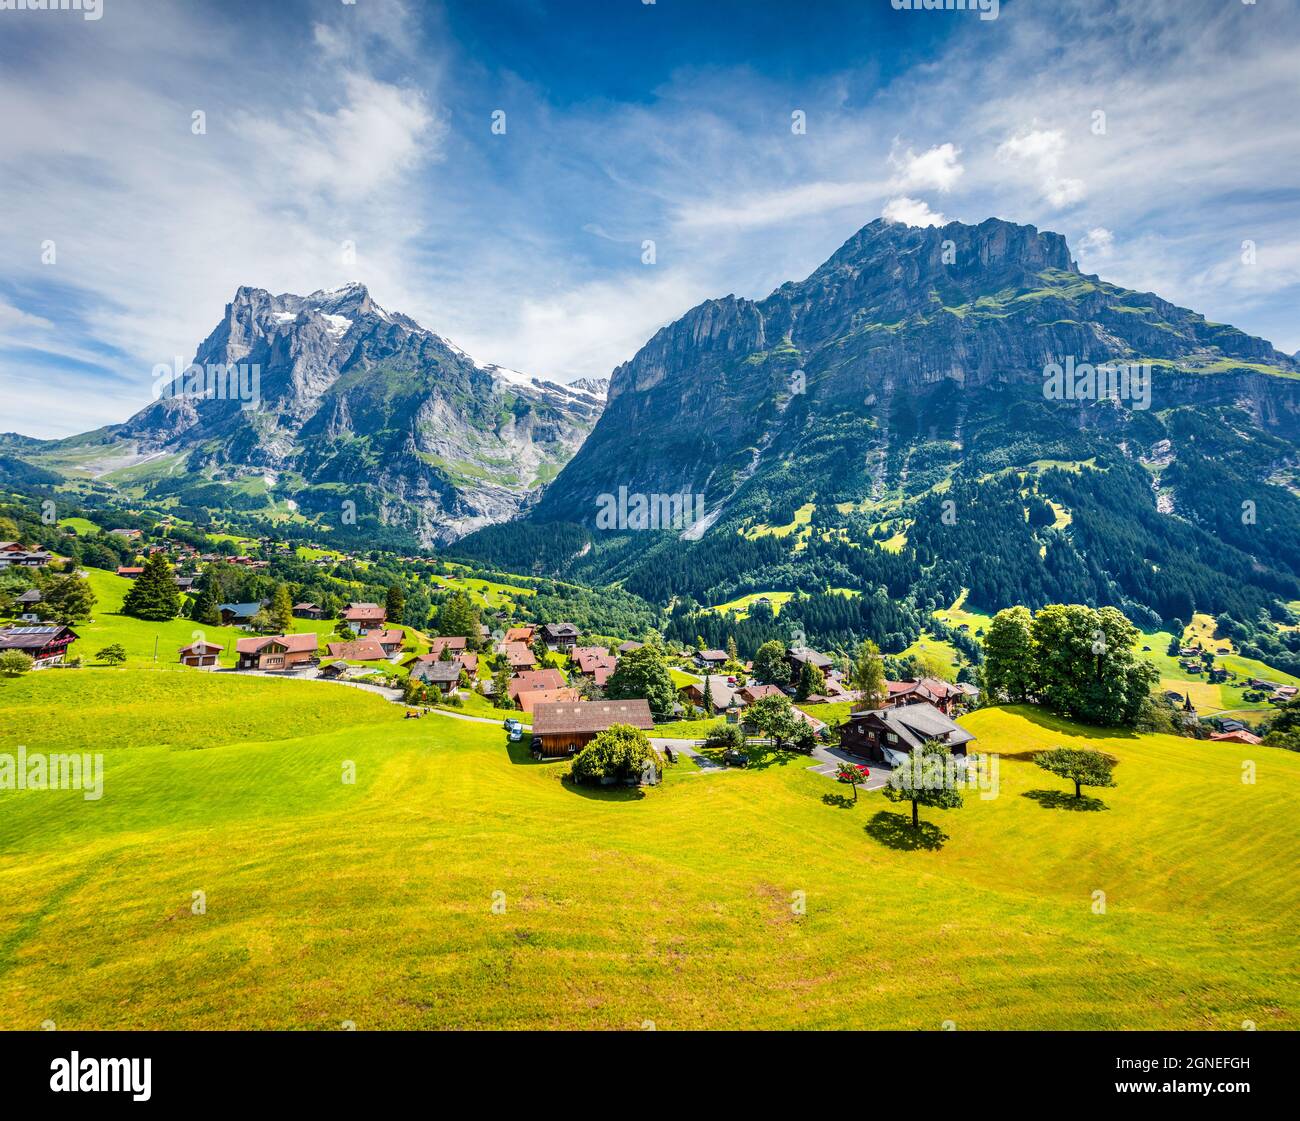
510 724
516 734
734 758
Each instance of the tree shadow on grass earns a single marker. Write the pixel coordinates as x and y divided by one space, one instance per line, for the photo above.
598 793
840 801
1063 800
895 831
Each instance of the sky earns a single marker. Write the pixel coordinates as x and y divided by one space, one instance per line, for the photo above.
154 159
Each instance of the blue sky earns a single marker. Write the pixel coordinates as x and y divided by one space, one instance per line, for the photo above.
329 124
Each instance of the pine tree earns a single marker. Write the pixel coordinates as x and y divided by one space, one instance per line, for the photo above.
395 604
281 609
154 594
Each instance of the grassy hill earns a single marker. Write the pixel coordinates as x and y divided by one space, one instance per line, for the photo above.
372 902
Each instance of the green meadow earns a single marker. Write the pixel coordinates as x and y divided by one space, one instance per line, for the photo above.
455 883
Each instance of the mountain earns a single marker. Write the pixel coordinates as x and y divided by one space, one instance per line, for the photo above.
350 403
889 423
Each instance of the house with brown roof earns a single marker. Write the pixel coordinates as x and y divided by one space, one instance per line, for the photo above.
521 634
455 643
528 701
363 617
721 693
46 644
565 729
591 658
527 681
800 656
359 650
1237 735
200 654
129 571
518 655
887 735
929 690
390 638
748 694
308 611
275 652
713 658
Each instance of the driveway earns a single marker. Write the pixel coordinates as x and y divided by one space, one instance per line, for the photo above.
829 759
686 748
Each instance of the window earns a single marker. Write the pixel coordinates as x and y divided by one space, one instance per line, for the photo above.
891 737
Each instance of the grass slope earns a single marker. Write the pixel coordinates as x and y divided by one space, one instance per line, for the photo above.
373 902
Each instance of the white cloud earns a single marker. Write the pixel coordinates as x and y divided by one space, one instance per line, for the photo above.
936 169
1097 242
911 212
1042 151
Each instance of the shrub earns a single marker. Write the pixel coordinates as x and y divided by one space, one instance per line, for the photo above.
725 737
15 662
621 752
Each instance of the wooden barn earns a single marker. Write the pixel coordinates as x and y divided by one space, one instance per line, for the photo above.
565 729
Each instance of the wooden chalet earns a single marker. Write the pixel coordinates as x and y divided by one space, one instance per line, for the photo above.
275 652
887 735
533 680
308 611
565 729
518 655
364 617
46 645
560 636
358 650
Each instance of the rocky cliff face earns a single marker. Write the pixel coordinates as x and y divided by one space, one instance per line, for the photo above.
900 336
351 402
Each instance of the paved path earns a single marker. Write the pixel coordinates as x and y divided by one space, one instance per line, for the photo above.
829 759
687 749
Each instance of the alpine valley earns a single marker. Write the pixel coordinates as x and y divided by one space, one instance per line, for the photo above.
875 438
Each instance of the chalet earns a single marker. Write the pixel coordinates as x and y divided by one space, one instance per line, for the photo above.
238 614
364 617
1238 735
445 675
748 694
341 671
529 701
530 681
929 690
390 639
360 650
27 605
308 611
629 646
521 634
468 662
200 654
455 643
518 655
712 658
591 658
800 656
559 636
887 735
184 583
565 729
45 645
275 652
130 571
721 694
15 555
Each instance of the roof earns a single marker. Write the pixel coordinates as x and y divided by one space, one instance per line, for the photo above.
33 637
455 641
293 643
518 654
520 634
363 612
590 716
200 647
720 692
713 655
914 724
306 607
754 692
436 672
123 569
391 634
533 679
1237 735
812 657
241 609
592 658
363 650
530 700
559 630
629 646
31 595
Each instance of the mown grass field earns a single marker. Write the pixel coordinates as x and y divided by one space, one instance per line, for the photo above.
372 902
